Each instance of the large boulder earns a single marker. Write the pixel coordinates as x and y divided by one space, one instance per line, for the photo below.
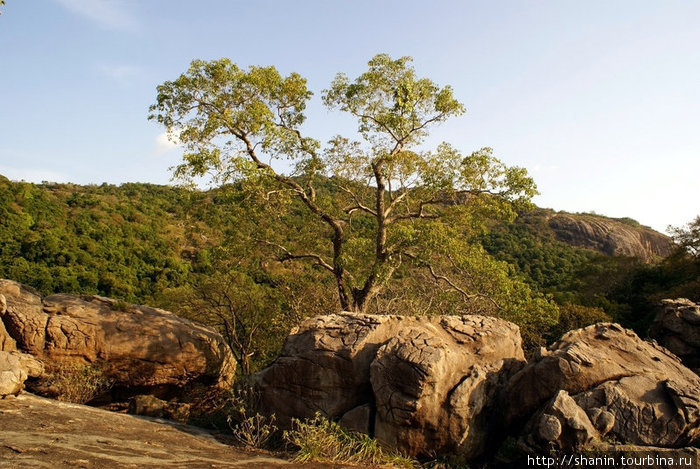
677 327
560 424
632 391
136 346
324 366
434 382
424 385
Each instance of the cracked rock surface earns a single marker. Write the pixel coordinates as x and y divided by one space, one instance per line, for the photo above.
428 382
677 327
630 391
136 346
43 433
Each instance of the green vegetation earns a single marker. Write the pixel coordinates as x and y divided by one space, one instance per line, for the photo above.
117 242
376 225
386 202
319 439
77 383
197 253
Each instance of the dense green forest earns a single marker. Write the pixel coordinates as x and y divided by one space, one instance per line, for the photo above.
208 255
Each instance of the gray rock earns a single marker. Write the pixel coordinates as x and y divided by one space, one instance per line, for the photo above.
432 380
560 424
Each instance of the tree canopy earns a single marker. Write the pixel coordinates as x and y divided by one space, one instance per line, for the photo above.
400 203
688 237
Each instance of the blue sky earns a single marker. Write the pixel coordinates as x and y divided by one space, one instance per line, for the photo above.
599 100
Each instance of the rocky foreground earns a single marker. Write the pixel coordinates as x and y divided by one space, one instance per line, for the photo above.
456 387
44 433
460 386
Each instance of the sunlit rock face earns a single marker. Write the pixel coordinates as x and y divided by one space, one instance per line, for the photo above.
610 236
422 385
135 346
628 390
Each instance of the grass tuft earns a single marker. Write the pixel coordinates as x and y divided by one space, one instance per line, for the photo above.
319 439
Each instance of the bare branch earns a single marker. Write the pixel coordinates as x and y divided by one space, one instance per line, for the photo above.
288 255
454 286
359 205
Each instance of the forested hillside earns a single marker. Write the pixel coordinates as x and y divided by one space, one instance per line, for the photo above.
215 256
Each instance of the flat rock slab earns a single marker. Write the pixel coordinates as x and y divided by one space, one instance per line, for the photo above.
44 433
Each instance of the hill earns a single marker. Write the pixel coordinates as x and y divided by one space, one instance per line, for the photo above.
168 246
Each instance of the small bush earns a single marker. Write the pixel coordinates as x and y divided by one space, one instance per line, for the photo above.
319 439
75 382
254 432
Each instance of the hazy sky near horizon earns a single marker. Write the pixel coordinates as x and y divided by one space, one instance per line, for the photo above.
598 100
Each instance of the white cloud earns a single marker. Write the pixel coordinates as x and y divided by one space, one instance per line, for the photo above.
108 14
164 144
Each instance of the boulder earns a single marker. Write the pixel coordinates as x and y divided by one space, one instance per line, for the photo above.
423 385
136 346
151 406
24 319
434 382
324 366
677 327
643 410
7 343
15 368
632 391
560 424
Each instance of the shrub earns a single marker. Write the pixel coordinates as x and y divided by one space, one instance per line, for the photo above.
319 439
255 431
76 382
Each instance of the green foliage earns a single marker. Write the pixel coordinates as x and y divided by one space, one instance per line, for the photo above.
319 439
573 316
366 213
181 249
547 264
688 237
113 241
249 314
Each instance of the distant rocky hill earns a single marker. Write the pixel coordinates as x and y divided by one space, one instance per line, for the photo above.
610 236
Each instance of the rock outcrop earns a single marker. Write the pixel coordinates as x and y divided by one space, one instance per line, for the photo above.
626 389
43 433
433 383
136 346
423 385
609 236
457 386
677 327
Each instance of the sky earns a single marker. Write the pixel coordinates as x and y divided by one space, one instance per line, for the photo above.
598 100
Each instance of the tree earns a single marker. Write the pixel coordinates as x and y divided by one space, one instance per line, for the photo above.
401 204
688 237
243 311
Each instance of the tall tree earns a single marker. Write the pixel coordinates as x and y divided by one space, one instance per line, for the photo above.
402 203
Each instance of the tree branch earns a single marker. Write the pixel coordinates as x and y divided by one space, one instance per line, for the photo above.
288 255
359 205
